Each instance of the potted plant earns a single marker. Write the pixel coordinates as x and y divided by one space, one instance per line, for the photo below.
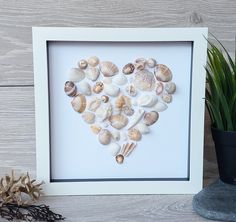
221 104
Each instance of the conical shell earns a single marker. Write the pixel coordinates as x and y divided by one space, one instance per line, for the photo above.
94 104
104 137
111 90
160 106
113 148
79 103
88 117
170 87
150 118
147 100
128 69
70 88
84 88
93 61
163 73
134 134
92 73
120 79
142 128
76 75
98 87
118 121
108 69
144 80
167 98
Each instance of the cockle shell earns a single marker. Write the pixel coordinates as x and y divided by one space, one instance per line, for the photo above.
92 73
170 87
128 69
147 100
93 61
142 128
130 89
84 88
98 87
151 63
94 104
108 69
118 121
105 98
76 75
135 119
167 98
104 136
70 88
140 60
104 111
144 80
163 73
159 88
82 64
120 79
160 106
115 135
79 103
111 90
134 134
95 129
113 148
88 117
120 158
150 118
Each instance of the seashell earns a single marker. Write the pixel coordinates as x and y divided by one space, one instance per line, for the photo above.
170 87
139 66
108 69
120 79
160 106
95 129
163 73
82 64
150 118
159 88
134 134
142 128
122 101
111 89
113 148
135 119
123 136
85 88
118 121
107 80
144 80
140 60
79 103
151 63
94 104
88 117
128 111
128 69
104 112
76 75
120 158
93 61
130 89
147 100
167 98
98 87
70 88
92 73
128 149
116 135
104 136
105 98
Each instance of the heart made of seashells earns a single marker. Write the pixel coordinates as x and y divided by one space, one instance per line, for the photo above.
120 105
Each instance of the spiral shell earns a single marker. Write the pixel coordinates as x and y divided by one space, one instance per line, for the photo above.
150 118
88 117
76 75
93 61
92 73
79 103
108 68
128 69
82 64
104 136
170 87
70 88
118 121
134 134
98 87
144 80
163 73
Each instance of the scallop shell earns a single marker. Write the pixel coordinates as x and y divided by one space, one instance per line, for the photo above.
116 135
92 73
150 118
93 61
128 69
104 112
94 104
163 73
104 136
130 89
105 98
98 87
147 100
160 106
151 63
120 158
120 79
82 64
79 103
118 121
167 98
159 88
170 87
88 117
135 119
143 128
144 80
70 88
84 88
111 90
134 134
108 69
95 129
113 148
76 75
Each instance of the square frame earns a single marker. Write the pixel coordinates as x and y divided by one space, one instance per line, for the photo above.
41 36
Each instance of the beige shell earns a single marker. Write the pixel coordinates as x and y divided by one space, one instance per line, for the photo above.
92 73
142 128
104 112
167 98
120 158
111 90
94 104
95 129
98 87
160 106
170 87
76 75
144 80
122 101
82 64
147 100
131 91
127 110
150 118
70 88
105 98
128 69
84 88
159 88
120 79
134 134
93 61
113 148
79 103
104 136
118 121
88 117
163 73
108 69
140 60
151 63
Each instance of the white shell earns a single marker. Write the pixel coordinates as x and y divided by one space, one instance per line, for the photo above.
144 80
135 119
131 91
104 112
93 61
107 80
160 107
143 128
88 117
111 90
104 137
147 100
118 121
170 87
94 104
76 75
84 88
120 79
92 73
115 135
167 98
113 148
123 136
108 68
151 63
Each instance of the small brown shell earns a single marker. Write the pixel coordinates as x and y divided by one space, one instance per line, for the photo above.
108 68
95 129
131 91
70 88
134 134
120 158
150 118
167 98
122 101
163 73
88 117
104 136
82 64
118 121
93 61
170 87
98 87
79 103
128 69
105 98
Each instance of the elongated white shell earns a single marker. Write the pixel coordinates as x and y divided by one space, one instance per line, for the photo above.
160 107
135 119
144 80
76 75
84 88
143 128
147 100
92 73
111 90
120 79
108 68
113 148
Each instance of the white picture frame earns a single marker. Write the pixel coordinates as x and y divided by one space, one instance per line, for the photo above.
42 36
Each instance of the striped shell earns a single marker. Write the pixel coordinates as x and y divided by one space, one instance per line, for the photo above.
79 103
108 69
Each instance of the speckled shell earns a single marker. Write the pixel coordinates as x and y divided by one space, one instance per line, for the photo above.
70 88
160 106
120 158
151 63
113 148
120 79
159 88
142 128
95 129
98 87
118 121
131 91
134 134
170 87
144 80
108 68
128 69
92 73
76 75
150 118
167 98
79 103
163 73
88 117
93 61
82 64
111 90
84 88
104 137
